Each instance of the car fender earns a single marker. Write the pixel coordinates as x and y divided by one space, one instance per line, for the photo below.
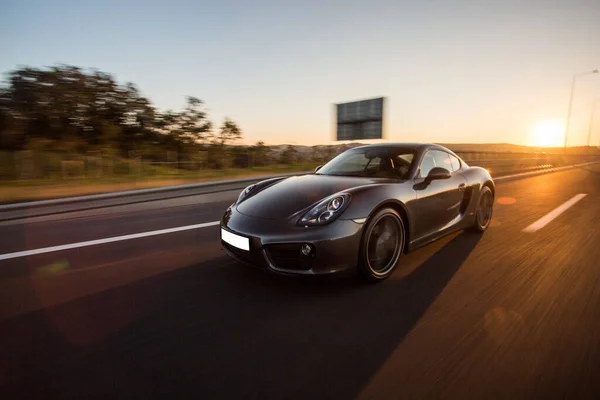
477 177
367 199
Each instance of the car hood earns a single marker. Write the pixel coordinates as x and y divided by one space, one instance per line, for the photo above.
294 194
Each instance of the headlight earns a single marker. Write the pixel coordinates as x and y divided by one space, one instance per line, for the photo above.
326 211
245 194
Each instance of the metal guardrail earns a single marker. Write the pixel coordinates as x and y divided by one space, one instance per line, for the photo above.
137 192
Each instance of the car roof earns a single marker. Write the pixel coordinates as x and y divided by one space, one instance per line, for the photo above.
414 145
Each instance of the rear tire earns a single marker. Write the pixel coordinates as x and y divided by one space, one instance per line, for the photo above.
485 208
382 245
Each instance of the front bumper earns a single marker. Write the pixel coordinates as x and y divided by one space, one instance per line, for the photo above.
275 244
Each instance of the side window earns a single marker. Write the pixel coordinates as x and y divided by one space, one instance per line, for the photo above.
427 164
432 159
442 160
454 162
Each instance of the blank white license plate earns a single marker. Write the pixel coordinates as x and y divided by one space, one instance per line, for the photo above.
235 240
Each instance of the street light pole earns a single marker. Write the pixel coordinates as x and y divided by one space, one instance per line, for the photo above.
571 101
594 104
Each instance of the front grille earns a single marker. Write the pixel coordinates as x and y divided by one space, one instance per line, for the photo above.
288 256
283 250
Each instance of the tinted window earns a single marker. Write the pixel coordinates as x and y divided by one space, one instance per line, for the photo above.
432 159
358 162
401 164
371 162
454 162
427 164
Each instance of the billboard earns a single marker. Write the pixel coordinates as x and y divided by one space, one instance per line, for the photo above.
360 119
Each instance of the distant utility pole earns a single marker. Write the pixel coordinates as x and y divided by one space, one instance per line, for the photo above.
595 71
594 104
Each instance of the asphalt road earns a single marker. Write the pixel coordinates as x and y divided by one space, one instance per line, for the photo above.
506 314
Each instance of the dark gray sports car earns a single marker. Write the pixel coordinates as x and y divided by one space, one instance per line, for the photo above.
361 210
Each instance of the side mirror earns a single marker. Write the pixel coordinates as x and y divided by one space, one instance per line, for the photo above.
318 168
437 173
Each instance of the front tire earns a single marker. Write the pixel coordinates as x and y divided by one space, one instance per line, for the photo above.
485 208
381 245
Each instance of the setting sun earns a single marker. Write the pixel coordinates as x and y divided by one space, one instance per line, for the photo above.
548 134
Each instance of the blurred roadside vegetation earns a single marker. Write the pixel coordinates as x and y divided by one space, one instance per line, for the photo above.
64 122
67 110
67 131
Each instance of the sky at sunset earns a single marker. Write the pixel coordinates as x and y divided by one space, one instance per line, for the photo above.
452 71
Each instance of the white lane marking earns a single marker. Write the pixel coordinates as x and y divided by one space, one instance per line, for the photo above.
105 240
546 219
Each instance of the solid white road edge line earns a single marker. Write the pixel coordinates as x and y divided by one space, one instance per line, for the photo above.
105 240
546 219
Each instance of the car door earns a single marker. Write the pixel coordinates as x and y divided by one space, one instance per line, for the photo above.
438 202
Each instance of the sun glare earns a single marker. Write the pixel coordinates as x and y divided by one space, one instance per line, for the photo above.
548 134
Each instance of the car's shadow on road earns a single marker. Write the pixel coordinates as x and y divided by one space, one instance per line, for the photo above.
220 330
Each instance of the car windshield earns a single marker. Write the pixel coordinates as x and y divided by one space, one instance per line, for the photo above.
371 162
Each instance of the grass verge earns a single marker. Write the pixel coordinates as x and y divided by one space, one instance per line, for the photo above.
12 191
